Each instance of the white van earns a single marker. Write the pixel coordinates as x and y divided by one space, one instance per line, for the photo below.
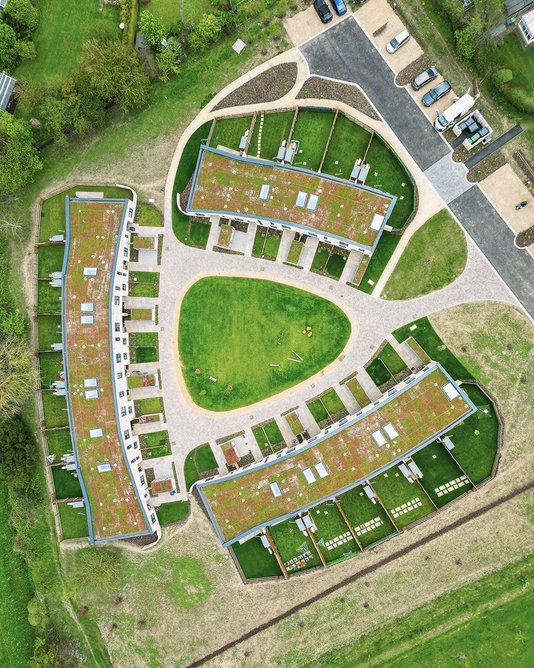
454 112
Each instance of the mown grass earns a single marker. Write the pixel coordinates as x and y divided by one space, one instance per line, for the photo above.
65 484
50 367
73 521
59 442
49 259
291 543
311 130
268 437
394 490
276 127
234 329
155 444
349 142
55 410
255 560
330 524
358 392
378 372
434 257
359 509
438 468
228 131
49 331
175 511
386 246
148 406
48 298
198 461
144 284
147 215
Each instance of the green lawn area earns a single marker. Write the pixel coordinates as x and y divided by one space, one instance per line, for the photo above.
144 346
228 131
321 258
423 332
378 372
63 28
328 262
48 298
59 442
65 484
147 215
386 246
266 243
292 543
359 510
234 329
311 130
73 521
294 423
295 251
335 265
148 406
143 355
49 330
276 127
171 512
144 284
50 367
169 10
155 444
386 364
438 468
55 410
331 534
434 257
349 142
269 437
333 404
391 177
49 259
255 560
16 589
358 392
476 452
318 411
145 338
394 490
198 461
511 54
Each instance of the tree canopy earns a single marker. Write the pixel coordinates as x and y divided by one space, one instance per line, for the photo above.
16 375
17 453
19 160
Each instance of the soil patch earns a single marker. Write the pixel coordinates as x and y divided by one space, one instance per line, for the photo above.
266 87
323 89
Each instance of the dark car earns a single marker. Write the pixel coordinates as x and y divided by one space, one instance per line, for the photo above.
322 9
339 6
436 93
424 78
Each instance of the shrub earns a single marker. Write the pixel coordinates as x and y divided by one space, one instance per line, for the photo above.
207 31
501 77
22 16
17 453
152 30
467 40
8 48
19 160
26 50
168 59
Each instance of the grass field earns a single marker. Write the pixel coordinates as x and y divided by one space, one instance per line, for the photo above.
266 243
260 323
328 262
439 468
394 490
349 142
55 410
276 127
292 543
333 404
174 511
147 215
294 423
386 246
255 560
48 298
49 259
170 11
50 366
144 284
73 521
434 257
155 444
198 461
385 365
65 484
49 331
228 131
360 510
331 534
295 251
59 442
318 411
358 392
268 437
311 130
148 406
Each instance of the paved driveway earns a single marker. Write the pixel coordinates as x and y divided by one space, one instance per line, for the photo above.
345 52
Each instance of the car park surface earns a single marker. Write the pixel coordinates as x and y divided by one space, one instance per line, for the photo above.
424 78
397 42
323 10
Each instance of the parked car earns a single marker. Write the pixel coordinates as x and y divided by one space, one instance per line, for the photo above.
436 93
424 78
339 6
322 9
398 41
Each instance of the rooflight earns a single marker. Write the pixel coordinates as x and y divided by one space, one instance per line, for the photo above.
87 319
312 202
275 489
450 391
378 437
377 221
301 199
264 192
104 468
90 271
87 307
90 382
308 474
91 394
321 470
96 433
391 431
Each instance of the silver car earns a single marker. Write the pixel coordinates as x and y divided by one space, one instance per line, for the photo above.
424 78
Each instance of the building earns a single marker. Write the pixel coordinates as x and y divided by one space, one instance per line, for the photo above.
339 212
7 85
525 27
408 417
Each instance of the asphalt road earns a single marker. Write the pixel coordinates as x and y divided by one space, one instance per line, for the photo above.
344 52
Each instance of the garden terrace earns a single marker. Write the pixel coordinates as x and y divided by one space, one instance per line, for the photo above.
94 227
402 422
254 189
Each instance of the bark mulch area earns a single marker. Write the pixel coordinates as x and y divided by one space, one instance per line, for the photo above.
525 238
268 86
491 164
323 89
405 76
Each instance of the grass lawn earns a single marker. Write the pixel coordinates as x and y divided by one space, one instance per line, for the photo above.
387 244
268 437
73 521
65 484
332 527
148 406
294 423
358 392
155 444
423 332
55 410
266 243
255 560
198 233
321 258
147 215
318 411
64 26
276 127
389 175
16 589
333 404
169 11
392 360
143 355
48 298
311 130
145 339
378 372
228 131
234 329
511 54
59 442
295 251
171 512
273 433
434 257
292 543
394 491
272 244
144 284
476 452
360 510
199 461
349 142
50 367
49 259
335 265
438 468
142 314
49 330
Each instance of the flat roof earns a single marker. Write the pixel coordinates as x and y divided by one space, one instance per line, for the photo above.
227 184
7 84
94 227
419 411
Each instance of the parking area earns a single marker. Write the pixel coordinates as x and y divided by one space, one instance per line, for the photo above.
307 24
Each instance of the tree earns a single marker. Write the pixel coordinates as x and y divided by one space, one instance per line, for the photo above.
207 31
152 30
22 16
8 48
468 39
114 73
85 108
26 50
501 77
19 160
17 453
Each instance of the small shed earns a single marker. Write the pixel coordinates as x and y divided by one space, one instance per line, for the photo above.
7 84
3 4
